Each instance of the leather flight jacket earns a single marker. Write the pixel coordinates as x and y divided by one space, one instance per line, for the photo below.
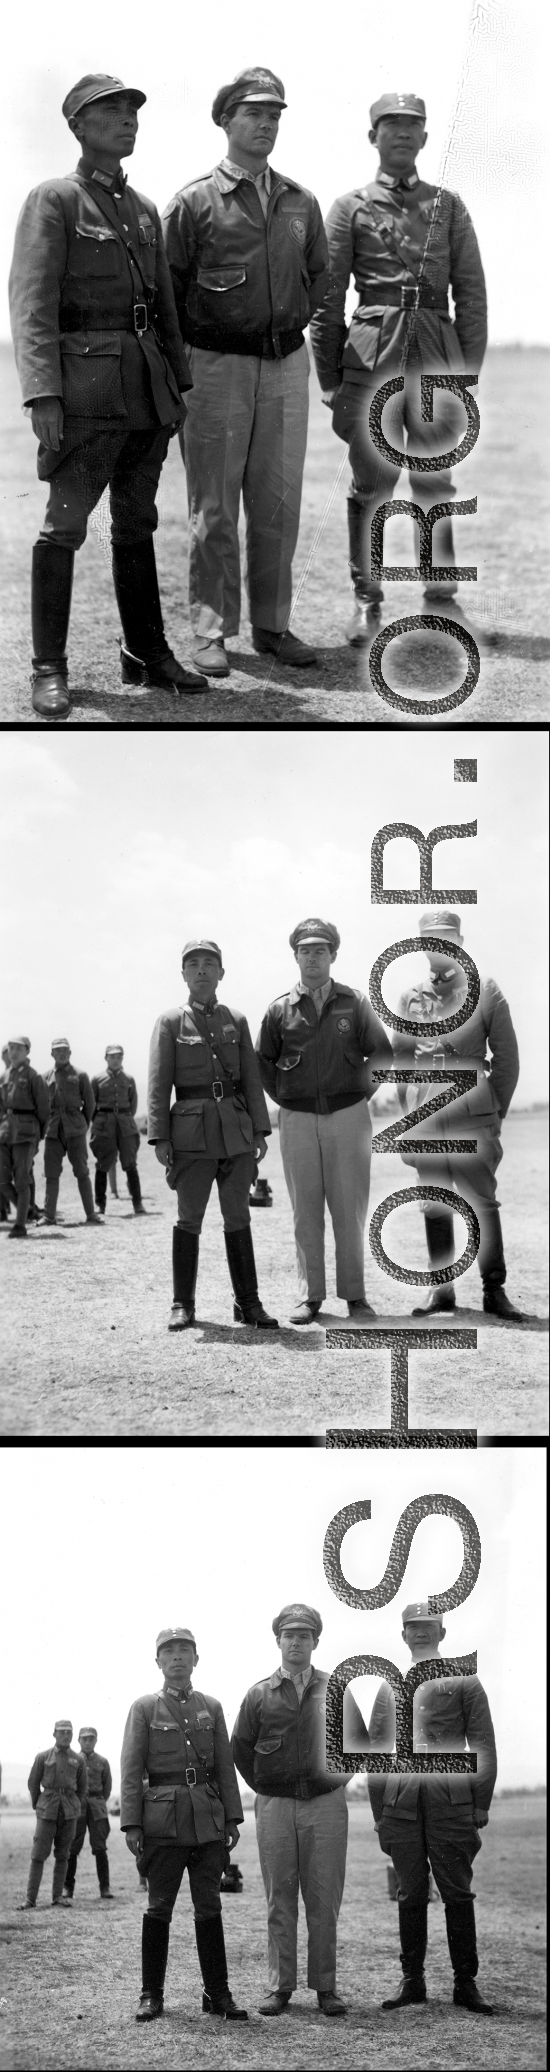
321 1063
279 1744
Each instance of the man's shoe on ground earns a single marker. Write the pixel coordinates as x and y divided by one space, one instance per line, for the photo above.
95 1219
285 645
274 2003
161 672
330 2003
151 2006
106 1895
466 1994
305 1313
363 625
440 1299
19 1230
50 690
27 1907
361 1311
181 1318
223 2004
211 657
413 1994
64 1901
496 1304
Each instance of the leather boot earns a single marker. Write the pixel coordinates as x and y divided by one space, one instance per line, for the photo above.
441 1252
102 1868
134 1190
100 1190
145 655
155 1937
413 1932
492 1267
34 1882
51 1193
87 1199
216 1998
461 1937
51 586
247 1308
185 1266
59 1874
360 513
70 1876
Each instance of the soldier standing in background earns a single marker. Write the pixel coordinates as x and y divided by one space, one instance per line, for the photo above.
25 1109
71 1110
114 1129
57 1784
94 1815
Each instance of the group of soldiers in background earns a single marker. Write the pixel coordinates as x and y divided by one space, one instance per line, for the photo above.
124 328
181 1810
60 1107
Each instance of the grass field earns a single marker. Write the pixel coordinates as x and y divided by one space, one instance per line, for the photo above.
508 608
86 1349
71 1979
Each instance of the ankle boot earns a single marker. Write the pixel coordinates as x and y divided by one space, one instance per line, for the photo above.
51 586
492 1266
461 1937
441 1252
247 1308
134 1190
413 1933
100 1189
145 655
185 1266
216 1998
155 1938
87 1199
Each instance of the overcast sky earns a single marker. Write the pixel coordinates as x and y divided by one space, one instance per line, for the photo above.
480 68
219 1540
120 847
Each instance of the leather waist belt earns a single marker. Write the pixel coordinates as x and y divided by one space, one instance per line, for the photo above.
74 320
217 1090
112 1111
260 344
399 295
196 1774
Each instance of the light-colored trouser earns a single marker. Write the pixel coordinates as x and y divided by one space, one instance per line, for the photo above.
246 430
302 1845
327 1158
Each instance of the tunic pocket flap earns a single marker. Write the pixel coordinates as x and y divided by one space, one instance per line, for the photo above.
220 278
100 237
84 344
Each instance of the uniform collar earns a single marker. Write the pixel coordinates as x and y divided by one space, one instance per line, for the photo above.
108 181
194 1006
180 1696
227 177
234 173
283 1676
395 180
314 991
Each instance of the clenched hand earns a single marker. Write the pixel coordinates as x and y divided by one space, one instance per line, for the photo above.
47 421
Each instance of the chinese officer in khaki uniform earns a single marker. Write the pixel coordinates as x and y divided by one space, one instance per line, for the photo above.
435 1819
102 369
57 1785
279 1746
406 242
248 256
182 1817
316 1050
25 1110
215 1131
71 1110
114 1130
94 1816
478 1114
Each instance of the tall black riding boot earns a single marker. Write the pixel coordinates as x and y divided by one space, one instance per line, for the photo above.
155 1937
360 513
492 1266
413 1933
134 1190
102 1868
145 655
70 1876
441 1252
247 1308
100 1189
216 1998
461 1937
185 1266
51 586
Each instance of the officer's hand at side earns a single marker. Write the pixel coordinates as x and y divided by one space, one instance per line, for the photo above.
260 1147
231 1834
164 1152
134 1840
480 1819
47 421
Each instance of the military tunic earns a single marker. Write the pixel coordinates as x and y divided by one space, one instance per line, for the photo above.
433 1818
477 1114
113 1127
71 1109
207 1056
57 1785
25 1108
93 1817
179 1744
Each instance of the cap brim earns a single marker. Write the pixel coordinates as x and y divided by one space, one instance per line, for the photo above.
133 93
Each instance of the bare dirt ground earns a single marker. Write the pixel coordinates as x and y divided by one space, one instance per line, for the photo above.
86 1349
508 608
71 1979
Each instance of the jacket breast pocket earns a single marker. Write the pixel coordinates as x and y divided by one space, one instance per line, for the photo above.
268 1758
90 365
94 255
191 1061
187 1127
220 294
159 1813
363 342
289 1074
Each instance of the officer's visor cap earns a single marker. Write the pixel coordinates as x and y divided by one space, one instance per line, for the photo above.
170 1633
97 86
190 950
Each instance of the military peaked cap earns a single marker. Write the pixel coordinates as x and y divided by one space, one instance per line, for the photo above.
418 1612
87 1730
315 931
97 86
439 921
190 948
254 85
298 1615
20 1039
174 1633
397 104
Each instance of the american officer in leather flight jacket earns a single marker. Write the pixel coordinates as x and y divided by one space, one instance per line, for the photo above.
316 1049
477 1114
183 1817
114 1130
71 1109
215 1131
436 1817
103 371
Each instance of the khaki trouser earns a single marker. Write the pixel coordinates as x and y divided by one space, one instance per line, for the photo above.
327 1158
302 1845
246 430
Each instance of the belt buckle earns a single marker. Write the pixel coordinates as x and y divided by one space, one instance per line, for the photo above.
217 1089
191 1776
410 297
140 317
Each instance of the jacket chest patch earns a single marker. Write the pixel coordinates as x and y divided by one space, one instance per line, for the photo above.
343 1024
298 229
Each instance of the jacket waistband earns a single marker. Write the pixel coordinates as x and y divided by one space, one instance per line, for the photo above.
327 1106
204 1093
259 344
401 295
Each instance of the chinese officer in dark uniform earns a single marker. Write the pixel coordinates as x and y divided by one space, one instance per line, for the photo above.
58 1783
25 1110
215 1131
406 242
478 1114
103 370
183 1817
248 256
436 1817
71 1109
94 1815
316 1050
114 1129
